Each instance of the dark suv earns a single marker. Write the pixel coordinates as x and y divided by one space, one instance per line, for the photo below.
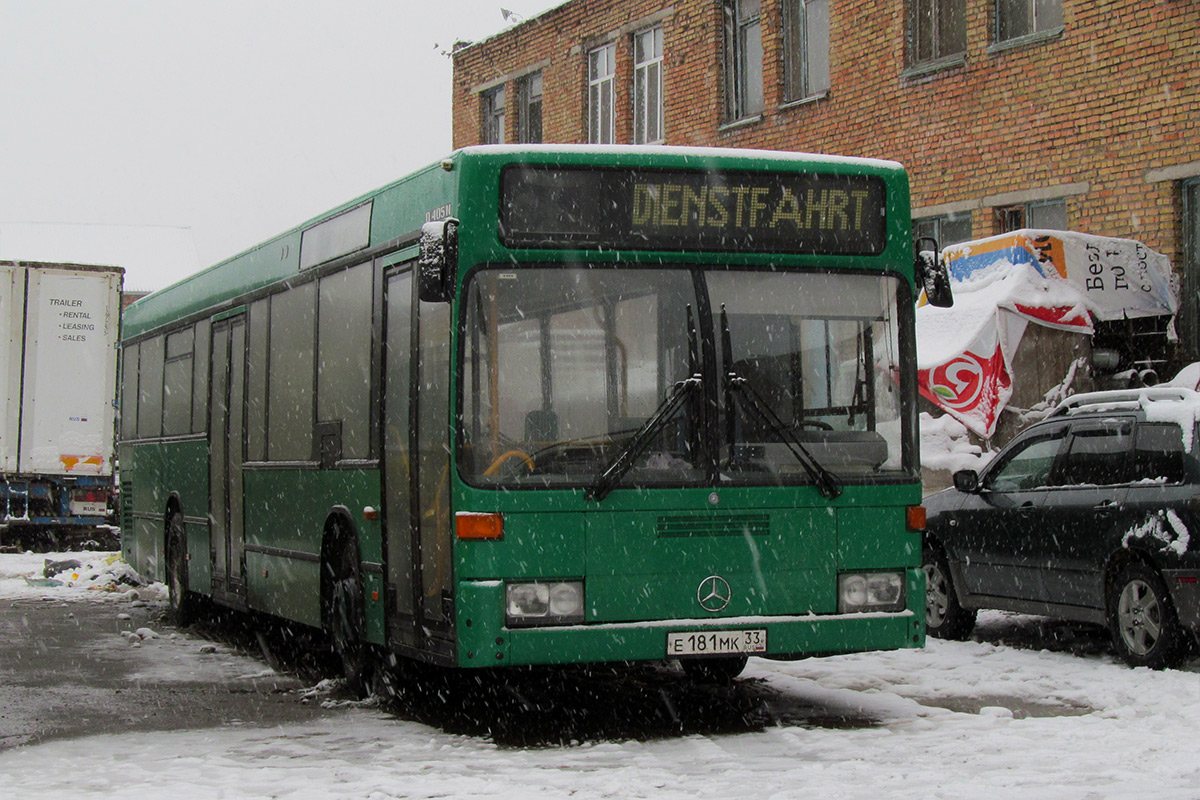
1092 515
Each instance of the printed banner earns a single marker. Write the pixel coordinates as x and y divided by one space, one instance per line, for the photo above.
973 386
1118 278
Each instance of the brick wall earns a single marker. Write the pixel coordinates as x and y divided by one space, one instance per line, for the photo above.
1087 114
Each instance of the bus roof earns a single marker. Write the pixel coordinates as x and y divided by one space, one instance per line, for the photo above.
394 213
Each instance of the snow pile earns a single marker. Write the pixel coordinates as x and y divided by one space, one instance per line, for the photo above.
1186 378
95 576
946 445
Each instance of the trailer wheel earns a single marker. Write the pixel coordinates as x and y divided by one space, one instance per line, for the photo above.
344 612
183 602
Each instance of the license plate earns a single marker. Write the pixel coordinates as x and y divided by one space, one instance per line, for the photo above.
88 508
701 643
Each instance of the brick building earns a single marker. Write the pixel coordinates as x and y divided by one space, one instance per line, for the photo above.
1070 114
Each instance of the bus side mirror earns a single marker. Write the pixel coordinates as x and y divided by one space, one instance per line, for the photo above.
933 275
437 263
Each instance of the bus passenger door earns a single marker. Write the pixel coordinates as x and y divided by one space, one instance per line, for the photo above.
417 469
397 460
226 442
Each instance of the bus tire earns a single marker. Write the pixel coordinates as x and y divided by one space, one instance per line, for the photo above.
344 613
183 602
720 670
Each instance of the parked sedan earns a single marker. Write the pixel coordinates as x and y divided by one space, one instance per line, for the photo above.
1091 515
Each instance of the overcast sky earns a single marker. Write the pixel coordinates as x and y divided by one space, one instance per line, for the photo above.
236 119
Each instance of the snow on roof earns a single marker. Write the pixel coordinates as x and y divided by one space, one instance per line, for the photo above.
701 154
943 332
153 255
1174 404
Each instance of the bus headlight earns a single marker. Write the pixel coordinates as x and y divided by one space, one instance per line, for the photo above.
543 603
870 591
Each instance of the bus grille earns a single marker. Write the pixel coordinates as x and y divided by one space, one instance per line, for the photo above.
714 525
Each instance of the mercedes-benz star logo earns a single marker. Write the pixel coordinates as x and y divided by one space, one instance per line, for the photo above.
713 593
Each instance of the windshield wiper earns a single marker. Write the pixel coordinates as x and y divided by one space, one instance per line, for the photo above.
630 453
669 407
753 403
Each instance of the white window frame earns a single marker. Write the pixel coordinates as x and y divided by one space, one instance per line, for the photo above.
602 94
648 86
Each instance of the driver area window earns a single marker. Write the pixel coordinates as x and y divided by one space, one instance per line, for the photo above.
1029 466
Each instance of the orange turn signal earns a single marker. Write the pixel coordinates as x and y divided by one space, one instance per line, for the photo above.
914 516
474 525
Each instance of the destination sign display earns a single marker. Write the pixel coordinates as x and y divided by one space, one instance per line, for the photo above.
580 207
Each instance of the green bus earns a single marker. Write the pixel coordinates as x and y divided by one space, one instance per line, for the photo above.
548 405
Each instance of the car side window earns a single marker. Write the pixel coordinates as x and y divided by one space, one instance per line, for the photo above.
1027 465
1159 454
1097 455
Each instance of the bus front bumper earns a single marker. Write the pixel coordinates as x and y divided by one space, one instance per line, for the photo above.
483 645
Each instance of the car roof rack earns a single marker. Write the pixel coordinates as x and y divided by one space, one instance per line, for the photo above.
1123 399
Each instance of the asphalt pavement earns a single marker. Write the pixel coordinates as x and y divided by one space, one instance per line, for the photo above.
80 668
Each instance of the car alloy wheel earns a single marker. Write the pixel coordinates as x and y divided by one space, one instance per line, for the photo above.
937 596
1139 617
1146 632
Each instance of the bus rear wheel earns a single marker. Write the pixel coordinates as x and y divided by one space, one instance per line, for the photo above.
344 615
183 602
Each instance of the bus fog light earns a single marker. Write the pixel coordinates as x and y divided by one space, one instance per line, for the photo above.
870 591
544 603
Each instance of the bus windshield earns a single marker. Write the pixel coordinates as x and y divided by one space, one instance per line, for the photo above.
698 376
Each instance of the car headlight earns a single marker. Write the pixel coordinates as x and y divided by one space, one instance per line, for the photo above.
870 591
543 603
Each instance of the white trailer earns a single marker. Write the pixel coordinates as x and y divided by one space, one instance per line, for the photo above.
58 379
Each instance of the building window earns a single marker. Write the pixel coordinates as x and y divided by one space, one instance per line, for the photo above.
602 68
493 116
743 58
805 48
1016 18
647 86
937 29
946 230
1049 215
529 119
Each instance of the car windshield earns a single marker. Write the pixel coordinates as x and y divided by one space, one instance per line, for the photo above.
564 367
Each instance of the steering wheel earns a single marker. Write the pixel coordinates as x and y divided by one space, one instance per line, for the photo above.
506 456
820 424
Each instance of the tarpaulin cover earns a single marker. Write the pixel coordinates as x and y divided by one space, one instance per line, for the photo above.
1057 279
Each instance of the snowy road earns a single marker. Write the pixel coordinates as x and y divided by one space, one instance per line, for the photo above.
1033 710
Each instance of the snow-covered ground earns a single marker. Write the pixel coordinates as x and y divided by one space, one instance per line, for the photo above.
969 720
